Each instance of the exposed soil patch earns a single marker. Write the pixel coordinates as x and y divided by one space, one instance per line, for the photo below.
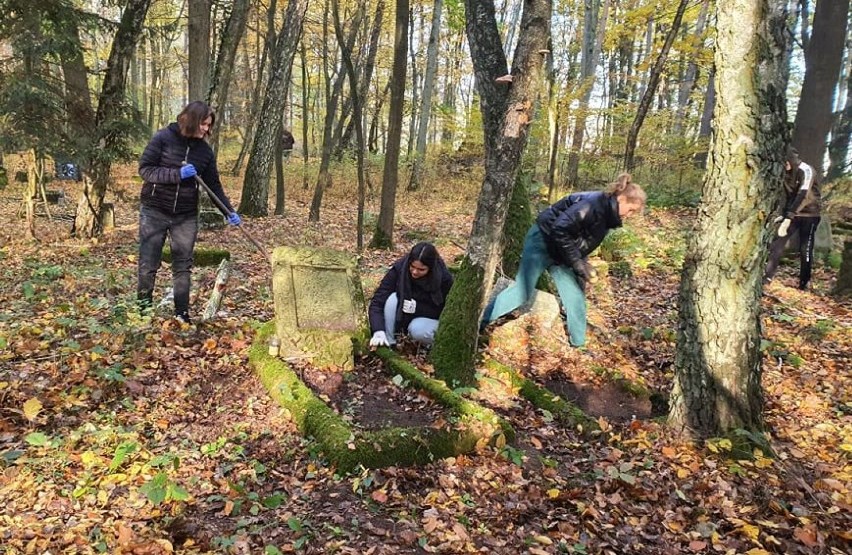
369 399
608 399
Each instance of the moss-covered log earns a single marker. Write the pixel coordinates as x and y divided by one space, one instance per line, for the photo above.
347 448
563 411
201 256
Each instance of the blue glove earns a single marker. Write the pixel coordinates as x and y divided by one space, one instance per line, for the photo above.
234 219
187 171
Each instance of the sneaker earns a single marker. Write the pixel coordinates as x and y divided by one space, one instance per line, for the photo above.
184 318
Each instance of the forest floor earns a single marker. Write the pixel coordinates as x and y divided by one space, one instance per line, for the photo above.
121 435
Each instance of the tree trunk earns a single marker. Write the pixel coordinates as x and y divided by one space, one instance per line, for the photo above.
373 140
843 286
358 116
88 215
507 116
823 59
593 30
260 81
650 90
332 98
78 100
717 366
383 235
426 106
706 125
221 81
838 148
450 90
306 88
687 84
415 84
198 36
255 196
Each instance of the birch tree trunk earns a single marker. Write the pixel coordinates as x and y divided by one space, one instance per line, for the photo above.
717 385
507 116
383 234
593 30
255 195
426 106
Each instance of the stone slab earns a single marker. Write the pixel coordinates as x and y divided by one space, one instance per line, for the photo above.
319 305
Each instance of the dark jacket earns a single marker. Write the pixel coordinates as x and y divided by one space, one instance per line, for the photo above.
574 226
160 167
398 280
802 187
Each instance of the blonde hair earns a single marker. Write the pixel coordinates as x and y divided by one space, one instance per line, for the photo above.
624 186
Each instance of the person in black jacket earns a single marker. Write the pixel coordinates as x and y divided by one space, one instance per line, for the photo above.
410 297
560 241
801 215
169 200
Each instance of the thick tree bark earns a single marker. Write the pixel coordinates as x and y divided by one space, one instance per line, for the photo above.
717 384
198 37
383 234
823 59
110 105
426 106
508 114
221 81
255 196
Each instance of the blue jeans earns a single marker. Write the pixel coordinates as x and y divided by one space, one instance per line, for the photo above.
182 230
420 329
535 259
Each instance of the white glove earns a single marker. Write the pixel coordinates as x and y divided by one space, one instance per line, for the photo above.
778 220
782 229
409 306
379 339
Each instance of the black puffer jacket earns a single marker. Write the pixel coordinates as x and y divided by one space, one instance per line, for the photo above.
430 304
160 168
575 226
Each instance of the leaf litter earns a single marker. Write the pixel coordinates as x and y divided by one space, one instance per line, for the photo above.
126 435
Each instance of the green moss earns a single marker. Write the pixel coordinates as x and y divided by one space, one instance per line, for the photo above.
347 448
201 256
541 397
439 391
519 218
381 240
454 353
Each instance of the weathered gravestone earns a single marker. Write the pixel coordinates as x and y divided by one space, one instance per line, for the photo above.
319 305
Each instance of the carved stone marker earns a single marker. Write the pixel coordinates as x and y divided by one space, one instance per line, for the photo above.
319 305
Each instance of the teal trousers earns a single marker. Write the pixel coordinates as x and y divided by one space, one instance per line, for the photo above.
535 259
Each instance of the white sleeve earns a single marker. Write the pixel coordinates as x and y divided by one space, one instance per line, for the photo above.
808 176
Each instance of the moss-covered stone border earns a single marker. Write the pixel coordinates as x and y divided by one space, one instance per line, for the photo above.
347 448
439 391
201 256
564 412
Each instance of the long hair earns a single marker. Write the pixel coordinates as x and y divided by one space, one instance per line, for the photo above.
624 186
191 117
426 253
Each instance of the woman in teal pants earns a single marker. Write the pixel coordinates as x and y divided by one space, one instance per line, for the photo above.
560 241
